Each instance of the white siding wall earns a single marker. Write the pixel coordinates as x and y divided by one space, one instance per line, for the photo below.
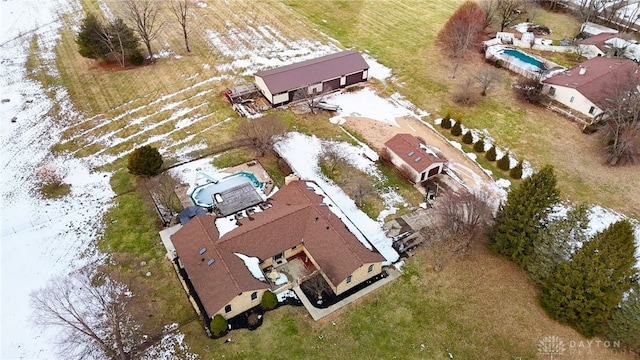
280 98
565 96
263 88
316 87
398 162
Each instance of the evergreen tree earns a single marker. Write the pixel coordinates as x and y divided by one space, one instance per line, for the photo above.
505 162
516 172
456 130
145 161
585 291
446 122
625 322
525 213
89 40
557 242
491 153
479 146
114 41
467 138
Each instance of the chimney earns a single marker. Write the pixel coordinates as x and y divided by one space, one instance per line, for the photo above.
582 71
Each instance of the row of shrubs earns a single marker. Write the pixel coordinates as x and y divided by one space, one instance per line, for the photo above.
503 163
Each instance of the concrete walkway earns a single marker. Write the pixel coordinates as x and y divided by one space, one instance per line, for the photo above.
318 314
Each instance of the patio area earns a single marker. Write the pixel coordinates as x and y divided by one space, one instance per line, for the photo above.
290 272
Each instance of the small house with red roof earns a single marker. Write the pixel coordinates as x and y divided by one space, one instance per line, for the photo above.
582 87
225 269
412 155
306 78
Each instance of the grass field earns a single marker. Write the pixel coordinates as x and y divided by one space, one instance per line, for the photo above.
422 75
478 307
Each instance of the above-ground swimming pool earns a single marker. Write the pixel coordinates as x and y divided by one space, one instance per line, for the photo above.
508 54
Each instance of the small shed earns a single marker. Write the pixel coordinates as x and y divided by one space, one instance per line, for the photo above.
300 80
409 152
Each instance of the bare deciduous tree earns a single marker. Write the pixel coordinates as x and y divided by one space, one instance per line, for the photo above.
485 78
165 194
621 120
331 156
490 8
464 94
181 9
261 133
144 14
91 311
462 33
459 219
316 285
508 11
588 10
359 187
50 175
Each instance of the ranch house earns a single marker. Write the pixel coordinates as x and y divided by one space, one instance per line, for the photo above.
307 78
227 262
582 87
411 153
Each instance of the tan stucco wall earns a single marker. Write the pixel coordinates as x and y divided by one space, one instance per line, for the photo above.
358 276
287 254
241 303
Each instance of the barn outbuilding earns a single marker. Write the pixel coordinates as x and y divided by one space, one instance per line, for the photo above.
301 80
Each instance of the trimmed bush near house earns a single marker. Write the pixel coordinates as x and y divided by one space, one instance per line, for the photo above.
479 146
491 154
456 130
269 301
516 172
504 162
467 138
218 326
446 122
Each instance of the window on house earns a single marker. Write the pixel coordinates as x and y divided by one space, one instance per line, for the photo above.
572 98
349 279
552 91
592 110
370 268
227 309
254 295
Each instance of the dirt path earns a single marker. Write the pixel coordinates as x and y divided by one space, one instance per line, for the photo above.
377 133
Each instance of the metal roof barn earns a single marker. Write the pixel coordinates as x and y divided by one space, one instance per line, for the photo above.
320 75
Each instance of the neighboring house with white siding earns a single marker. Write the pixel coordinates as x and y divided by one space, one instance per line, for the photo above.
583 87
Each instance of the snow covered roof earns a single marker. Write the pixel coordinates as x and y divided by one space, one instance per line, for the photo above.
595 29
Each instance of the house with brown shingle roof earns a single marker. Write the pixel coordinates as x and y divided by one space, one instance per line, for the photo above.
595 45
295 223
582 87
300 80
412 155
